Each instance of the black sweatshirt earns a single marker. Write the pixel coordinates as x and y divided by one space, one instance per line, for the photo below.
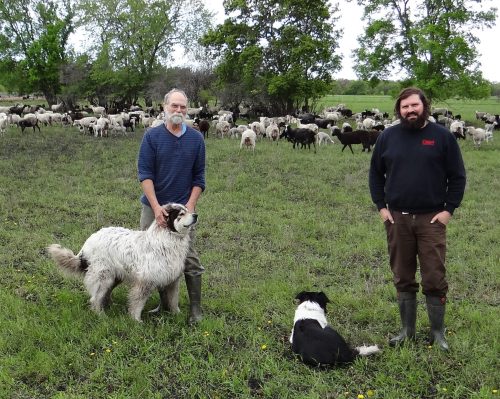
417 171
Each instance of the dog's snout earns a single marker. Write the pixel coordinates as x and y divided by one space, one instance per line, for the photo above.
195 217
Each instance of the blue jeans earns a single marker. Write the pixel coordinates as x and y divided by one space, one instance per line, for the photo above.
192 266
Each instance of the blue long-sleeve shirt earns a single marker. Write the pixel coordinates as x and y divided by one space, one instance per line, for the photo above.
174 164
417 171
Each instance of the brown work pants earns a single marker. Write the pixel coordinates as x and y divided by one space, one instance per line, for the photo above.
412 236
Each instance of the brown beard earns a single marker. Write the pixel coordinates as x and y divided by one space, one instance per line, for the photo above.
416 124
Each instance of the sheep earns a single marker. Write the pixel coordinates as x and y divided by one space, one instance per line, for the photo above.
4 122
222 128
14 119
248 139
478 135
118 129
46 119
457 129
310 126
324 138
29 122
98 110
157 122
204 126
57 107
84 123
194 112
480 114
273 132
258 128
365 137
301 136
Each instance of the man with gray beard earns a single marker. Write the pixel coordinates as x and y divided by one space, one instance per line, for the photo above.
417 179
171 168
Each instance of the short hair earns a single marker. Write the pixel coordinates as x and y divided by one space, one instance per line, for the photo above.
409 91
166 99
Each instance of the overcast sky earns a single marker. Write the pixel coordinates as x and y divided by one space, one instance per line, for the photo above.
350 20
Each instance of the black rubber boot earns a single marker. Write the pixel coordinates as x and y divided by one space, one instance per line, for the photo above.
408 311
436 309
193 284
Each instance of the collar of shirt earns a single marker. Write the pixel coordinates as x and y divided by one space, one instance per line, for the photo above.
184 127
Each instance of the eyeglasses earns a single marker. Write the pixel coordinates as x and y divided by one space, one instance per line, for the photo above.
178 106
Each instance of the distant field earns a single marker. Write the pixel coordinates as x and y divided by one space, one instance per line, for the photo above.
466 108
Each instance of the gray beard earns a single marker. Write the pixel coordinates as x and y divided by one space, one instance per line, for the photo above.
176 119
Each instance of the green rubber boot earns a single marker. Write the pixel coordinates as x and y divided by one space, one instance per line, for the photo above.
436 309
408 311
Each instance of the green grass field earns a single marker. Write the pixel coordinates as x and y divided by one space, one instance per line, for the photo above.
271 224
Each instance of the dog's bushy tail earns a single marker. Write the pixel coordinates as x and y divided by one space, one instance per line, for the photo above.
367 350
67 261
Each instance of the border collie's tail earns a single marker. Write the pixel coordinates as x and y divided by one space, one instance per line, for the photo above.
367 350
67 261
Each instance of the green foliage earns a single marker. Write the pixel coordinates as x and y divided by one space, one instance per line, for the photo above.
34 39
280 52
138 39
430 42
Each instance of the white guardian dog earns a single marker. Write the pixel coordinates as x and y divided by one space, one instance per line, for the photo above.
146 260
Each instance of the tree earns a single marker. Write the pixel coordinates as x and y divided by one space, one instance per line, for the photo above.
136 39
277 52
33 37
430 42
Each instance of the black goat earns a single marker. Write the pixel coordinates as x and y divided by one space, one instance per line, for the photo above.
300 136
204 126
365 137
24 123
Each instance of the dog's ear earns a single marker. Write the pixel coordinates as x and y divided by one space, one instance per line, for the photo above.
301 297
323 297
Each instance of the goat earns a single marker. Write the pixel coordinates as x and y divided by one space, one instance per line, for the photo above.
28 122
365 137
301 136
204 126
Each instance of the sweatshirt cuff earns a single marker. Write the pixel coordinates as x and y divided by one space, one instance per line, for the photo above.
449 208
381 205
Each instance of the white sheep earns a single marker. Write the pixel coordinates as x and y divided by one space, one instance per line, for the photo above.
98 110
310 126
273 132
248 138
222 128
4 122
457 128
478 135
324 138
84 123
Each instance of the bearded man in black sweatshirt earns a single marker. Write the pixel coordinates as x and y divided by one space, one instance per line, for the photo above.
417 179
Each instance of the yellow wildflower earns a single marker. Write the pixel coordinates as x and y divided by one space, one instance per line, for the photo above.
264 346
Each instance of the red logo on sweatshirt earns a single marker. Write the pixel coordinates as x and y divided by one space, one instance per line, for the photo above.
427 142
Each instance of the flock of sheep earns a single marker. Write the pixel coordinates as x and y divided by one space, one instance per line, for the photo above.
355 128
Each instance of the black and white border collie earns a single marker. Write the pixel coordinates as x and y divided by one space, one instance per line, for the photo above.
314 341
